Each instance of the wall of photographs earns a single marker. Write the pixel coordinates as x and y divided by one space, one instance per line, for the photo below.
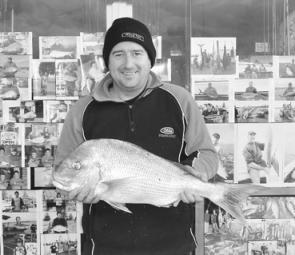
36 95
248 106
244 101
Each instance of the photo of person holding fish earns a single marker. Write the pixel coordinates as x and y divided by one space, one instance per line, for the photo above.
117 149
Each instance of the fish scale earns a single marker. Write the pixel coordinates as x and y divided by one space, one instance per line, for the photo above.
122 173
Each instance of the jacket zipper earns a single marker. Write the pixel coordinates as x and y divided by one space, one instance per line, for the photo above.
131 118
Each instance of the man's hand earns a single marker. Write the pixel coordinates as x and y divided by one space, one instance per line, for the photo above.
195 172
189 195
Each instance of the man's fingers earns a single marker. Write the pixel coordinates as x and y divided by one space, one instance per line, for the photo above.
73 194
190 197
91 198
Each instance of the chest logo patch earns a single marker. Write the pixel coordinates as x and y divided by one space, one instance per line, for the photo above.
167 132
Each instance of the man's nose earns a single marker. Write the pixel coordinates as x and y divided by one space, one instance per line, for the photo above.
129 60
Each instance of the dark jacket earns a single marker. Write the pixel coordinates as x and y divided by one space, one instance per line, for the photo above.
164 120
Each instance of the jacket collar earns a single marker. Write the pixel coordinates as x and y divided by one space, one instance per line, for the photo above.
103 91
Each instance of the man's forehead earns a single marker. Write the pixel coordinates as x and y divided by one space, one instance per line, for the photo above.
127 46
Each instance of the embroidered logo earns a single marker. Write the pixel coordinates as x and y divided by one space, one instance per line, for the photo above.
167 132
133 35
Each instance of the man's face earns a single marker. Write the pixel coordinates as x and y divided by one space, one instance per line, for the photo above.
251 137
129 66
213 139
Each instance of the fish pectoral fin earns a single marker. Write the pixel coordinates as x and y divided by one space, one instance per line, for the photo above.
118 183
101 188
119 206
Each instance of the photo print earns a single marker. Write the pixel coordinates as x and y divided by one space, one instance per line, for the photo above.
11 134
257 154
39 155
252 90
24 111
92 43
68 79
252 112
43 79
14 178
56 111
214 111
93 71
16 43
58 47
15 88
284 89
262 247
59 213
41 178
14 66
213 56
42 134
269 207
284 111
10 156
222 136
210 90
60 244
21 201
223 234
20 233
255 67
288 153
286 66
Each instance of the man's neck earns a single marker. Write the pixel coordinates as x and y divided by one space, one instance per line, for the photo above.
125 94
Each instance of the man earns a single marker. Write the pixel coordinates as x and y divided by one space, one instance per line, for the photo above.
59 224
17 203
221 172
10 68
211 91
131 104
16 182
4 159
14 157
251 88
253 157
289 91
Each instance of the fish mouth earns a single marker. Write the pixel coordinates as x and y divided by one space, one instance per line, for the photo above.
61 186
66 185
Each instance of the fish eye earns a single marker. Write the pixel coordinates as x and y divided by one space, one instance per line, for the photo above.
76 165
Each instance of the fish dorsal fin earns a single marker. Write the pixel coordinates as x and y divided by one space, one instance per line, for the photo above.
119 206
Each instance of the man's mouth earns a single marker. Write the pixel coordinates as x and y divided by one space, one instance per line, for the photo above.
129 74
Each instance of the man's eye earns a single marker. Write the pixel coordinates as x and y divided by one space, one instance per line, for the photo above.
118 55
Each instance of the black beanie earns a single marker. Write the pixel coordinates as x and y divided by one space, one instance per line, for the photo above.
128 29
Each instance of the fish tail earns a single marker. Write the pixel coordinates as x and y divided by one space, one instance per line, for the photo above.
232 196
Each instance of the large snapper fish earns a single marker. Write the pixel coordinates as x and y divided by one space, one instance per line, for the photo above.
122 172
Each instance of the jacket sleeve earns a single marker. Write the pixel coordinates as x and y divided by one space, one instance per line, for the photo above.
198 148
247 155
72 132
